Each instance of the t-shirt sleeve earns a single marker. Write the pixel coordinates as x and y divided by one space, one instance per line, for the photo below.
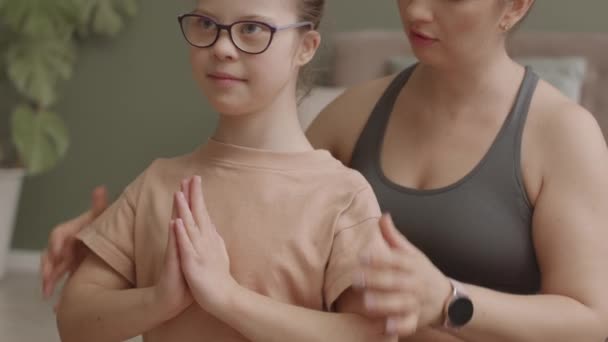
356 231
111 235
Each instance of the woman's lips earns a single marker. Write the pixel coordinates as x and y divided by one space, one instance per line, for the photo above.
421 39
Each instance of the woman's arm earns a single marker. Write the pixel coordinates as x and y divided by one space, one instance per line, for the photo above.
511 318
571 242
338 126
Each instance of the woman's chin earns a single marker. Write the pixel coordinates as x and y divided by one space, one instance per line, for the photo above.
427 57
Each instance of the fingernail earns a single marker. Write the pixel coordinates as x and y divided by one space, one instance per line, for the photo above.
198 179
391 326
359 280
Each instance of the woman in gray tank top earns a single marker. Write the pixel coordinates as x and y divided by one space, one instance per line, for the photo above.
495 181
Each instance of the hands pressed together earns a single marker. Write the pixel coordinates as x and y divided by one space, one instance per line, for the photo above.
197 266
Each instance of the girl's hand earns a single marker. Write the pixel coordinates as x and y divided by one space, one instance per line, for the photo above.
204 258
171 292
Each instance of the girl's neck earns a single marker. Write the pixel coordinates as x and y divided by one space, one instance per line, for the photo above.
275 128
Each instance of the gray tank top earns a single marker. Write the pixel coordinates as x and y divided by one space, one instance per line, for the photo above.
477 230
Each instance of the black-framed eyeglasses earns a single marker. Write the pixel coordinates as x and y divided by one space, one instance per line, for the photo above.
252 37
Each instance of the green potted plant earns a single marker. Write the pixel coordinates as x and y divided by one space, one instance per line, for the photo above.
38 50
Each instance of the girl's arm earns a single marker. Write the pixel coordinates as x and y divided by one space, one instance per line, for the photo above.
98 304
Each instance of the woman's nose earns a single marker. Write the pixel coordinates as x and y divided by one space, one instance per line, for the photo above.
416 10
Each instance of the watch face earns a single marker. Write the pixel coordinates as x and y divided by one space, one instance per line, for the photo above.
460 311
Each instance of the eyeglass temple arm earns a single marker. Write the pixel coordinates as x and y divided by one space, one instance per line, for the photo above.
301 24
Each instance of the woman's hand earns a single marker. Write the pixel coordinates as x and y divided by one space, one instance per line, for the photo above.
204 258
403 285
63 254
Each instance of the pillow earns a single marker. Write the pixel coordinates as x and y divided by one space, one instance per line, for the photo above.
318 98
564 73
396 64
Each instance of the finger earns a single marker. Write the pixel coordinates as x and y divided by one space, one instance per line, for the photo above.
393 259
391 235
99 200
387 304
186 215
185 188
56 240
199 208
186 249
67 230
55 277
402 326
44 263
172 257
174 211
385 279
44 271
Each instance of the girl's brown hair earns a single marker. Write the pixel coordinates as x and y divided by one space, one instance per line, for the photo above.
309 10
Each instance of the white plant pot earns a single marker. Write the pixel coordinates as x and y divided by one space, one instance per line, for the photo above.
10 189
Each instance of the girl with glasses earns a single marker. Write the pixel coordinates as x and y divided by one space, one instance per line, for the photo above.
268 254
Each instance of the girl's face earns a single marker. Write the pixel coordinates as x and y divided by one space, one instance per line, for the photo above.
234 81
449 32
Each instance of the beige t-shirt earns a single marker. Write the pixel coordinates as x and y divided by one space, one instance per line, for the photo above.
293 223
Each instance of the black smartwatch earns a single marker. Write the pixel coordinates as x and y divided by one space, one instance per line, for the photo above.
458 309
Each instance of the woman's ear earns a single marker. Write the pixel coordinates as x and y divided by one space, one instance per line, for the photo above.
516 10
309 45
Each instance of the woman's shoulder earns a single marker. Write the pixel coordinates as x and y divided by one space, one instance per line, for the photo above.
338 126
561 129
557 116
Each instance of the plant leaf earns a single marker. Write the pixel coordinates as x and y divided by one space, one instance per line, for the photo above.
41 138
36 65
107 20
36 18
128 7
105 17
